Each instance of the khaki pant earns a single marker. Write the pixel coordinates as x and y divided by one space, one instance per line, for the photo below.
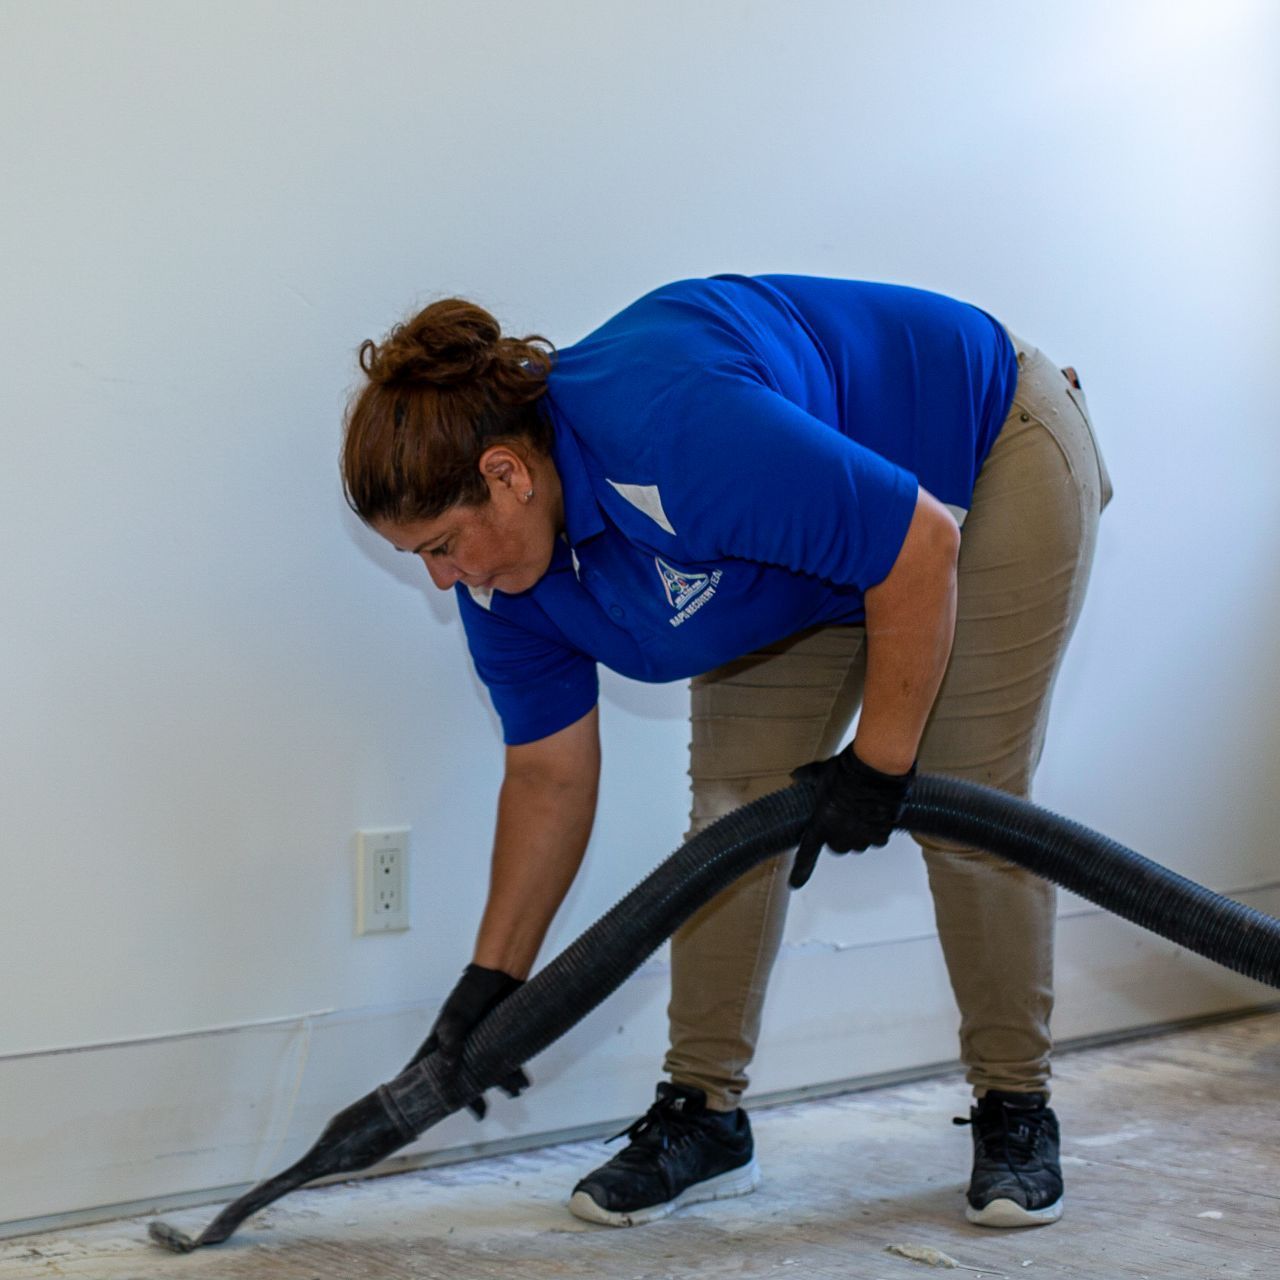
1026 548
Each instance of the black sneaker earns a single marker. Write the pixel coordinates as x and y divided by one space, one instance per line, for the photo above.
1017 1181
680 1153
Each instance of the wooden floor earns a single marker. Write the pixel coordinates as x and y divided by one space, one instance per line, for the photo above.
1171 1152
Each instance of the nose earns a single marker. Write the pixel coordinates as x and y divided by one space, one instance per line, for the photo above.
444 573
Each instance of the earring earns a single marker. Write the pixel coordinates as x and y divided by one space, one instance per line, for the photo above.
528 495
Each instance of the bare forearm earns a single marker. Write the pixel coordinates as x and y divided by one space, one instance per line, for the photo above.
544 822
910 626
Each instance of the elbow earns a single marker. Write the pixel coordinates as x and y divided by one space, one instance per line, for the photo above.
946 536
561 779
934 537
927 561
566 761
941 554
565 781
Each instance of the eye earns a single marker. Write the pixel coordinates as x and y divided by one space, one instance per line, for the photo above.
441 550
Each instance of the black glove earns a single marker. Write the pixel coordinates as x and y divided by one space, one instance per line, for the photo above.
478 991
856 807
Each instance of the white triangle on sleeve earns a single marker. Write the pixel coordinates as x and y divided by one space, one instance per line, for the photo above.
646 498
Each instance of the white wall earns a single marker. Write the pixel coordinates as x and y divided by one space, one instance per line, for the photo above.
211 675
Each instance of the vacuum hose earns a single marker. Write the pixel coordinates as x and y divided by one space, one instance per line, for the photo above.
566 989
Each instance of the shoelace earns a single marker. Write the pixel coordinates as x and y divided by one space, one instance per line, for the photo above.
659 1126
1019 1130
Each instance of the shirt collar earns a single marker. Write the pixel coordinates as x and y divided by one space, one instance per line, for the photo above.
583 518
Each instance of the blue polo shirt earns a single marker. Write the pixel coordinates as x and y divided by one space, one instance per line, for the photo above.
739 458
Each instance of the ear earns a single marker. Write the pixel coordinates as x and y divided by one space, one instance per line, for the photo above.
504 470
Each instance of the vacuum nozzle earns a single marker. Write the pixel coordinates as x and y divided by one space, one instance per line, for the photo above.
358 1136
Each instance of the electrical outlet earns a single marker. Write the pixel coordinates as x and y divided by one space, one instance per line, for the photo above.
382 880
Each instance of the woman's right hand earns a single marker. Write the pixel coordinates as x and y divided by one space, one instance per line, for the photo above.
475 995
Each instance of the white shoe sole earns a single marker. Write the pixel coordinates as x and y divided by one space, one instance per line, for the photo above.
1008 1213
724 1186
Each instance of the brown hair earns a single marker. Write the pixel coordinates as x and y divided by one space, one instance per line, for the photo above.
443 387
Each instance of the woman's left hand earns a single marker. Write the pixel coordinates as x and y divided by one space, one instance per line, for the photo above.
857 808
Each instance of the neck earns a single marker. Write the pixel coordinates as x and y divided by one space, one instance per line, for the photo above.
546 481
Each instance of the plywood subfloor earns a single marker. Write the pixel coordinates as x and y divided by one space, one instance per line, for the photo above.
1171 1152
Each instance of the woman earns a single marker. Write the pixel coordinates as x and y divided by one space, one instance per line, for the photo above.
761 484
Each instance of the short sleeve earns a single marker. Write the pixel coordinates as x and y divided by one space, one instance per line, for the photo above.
538 687
754 476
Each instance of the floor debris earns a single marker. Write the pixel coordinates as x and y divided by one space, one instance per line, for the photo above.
934 1257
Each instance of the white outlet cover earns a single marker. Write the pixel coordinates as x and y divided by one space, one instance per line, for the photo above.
382 880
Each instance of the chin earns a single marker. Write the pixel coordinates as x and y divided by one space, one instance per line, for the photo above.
512 584
521 579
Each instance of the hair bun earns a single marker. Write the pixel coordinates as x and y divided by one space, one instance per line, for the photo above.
450 342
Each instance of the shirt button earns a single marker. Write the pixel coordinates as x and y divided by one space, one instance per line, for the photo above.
615 611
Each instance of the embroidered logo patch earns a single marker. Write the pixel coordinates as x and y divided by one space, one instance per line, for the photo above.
680 587
686 592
